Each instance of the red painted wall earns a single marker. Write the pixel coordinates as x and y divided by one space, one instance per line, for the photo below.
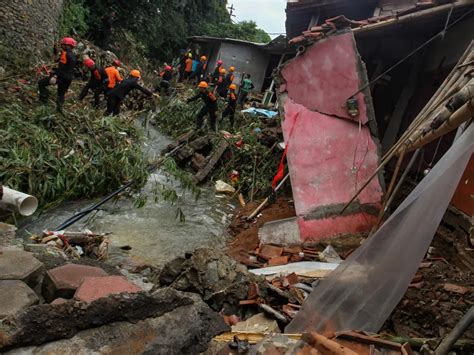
463 198
329 155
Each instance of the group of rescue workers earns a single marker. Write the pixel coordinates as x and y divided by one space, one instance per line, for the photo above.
110 83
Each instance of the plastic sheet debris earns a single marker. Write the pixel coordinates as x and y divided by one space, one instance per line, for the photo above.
260 112
377 274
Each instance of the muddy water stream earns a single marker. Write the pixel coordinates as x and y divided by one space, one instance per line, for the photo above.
153 232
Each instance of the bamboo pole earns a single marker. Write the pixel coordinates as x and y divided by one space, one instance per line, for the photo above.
389 190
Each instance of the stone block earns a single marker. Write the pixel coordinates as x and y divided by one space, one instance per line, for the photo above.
20 265
64 280
15 295
93 288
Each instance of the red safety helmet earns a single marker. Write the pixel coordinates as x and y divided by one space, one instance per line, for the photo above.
220 62
117 63
89 63
69 41
168 68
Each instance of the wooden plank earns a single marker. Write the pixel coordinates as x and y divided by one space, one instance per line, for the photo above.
202 174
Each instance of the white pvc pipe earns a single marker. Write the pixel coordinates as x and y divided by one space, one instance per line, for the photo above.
25 204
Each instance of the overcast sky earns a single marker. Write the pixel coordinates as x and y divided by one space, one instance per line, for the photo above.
268 14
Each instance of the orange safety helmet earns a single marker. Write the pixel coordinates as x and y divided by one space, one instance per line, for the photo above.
203 58
231 69
89 63
135 73
203 85
222 71
233 87
69 41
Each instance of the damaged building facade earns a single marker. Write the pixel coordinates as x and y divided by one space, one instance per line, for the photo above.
343 110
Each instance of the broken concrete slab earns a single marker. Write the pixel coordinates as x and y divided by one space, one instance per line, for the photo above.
20 265
93 288
37 325
283 232
15 295
163 334
63 281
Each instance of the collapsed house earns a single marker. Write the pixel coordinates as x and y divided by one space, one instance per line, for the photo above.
360 76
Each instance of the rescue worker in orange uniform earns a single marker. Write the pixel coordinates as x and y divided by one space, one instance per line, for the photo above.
118 94
62 75
231 105
210 105
95 83
166 77
230 77
113 76
217 71
222 86
188 67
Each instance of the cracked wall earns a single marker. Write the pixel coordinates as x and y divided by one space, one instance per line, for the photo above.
330 153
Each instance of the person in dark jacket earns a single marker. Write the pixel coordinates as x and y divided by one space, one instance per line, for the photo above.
166 77
116 95
210 105
95 83
217 71
62 75
222 86
230 77
231 105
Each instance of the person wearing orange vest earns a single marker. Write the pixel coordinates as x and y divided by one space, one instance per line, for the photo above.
62 75
217 71
95 82
230 77
231 105
188 67
113 76
210 105
166 77
222 86
118 94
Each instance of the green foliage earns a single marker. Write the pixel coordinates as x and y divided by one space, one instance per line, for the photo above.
73 19
245 30
162 26
59 158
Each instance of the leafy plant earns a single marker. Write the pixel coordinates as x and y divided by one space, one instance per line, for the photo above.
74 18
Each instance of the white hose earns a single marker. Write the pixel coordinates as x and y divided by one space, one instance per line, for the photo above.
25 204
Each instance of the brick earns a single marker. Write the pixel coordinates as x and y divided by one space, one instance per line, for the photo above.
63 281
20 265
93 288
269 251
15 295
456 288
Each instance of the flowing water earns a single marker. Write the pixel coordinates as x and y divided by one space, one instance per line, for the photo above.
153 232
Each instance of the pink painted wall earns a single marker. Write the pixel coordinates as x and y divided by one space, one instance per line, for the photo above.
329 155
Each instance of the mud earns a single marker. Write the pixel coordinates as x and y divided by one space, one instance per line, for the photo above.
246 233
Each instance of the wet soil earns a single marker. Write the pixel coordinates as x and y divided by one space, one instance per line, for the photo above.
245 234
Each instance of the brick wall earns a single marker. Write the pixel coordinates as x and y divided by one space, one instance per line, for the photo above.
29 25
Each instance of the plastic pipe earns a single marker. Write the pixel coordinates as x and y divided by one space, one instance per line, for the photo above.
25 204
